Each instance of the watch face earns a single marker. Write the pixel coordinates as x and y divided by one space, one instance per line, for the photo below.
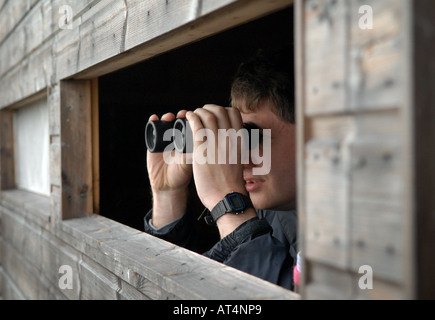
236 202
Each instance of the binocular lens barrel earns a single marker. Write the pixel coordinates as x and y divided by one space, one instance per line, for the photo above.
157 136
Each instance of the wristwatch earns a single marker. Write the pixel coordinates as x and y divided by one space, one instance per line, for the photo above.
234 203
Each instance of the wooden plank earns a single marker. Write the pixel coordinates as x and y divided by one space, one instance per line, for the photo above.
7 162
9 289
356 114
128 292
22 237
56 253
55 161
365 61
329 283
377 79
188 275
382 290
12 13
55 204
377 207
140 44
32 207
326 43
39 24
88 239
30 238
76 159
147 20
23 274
327 163
30 77
53 100
26 36
101 34
2 4
89 243
146 262
96 282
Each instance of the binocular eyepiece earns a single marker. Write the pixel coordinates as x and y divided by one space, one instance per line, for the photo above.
159 134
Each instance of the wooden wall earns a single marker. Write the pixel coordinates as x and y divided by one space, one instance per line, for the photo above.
40 234
358 199
356 108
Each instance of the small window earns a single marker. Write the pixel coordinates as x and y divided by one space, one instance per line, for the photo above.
31 145
185 78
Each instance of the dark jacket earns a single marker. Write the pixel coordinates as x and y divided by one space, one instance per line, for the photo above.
264 246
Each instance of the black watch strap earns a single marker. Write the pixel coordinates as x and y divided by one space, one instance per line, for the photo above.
235 203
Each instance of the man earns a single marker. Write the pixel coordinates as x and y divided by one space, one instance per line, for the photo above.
260 241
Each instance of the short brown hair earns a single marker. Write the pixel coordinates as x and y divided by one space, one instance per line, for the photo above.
267 75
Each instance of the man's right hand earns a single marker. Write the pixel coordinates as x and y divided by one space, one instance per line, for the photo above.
169 182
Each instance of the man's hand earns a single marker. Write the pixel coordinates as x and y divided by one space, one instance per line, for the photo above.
214 180
169 182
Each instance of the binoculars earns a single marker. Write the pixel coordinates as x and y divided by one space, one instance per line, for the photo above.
159 134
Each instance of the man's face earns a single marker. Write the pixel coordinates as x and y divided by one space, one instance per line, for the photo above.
277 189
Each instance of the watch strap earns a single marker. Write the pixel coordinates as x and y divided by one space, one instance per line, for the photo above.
219 210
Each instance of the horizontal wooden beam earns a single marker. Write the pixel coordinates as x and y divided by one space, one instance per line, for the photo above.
156 267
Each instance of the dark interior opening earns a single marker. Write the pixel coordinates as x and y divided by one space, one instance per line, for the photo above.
185 78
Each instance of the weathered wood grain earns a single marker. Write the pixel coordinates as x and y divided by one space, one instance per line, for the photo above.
326 44
38 23
31 76
27 64
107 36
146 262
34 208
24 275
96 282
12 13
136 32
378 225
7 162
327 165
356 143
55 161
9 289
76 142
334 284
377 79
22 236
